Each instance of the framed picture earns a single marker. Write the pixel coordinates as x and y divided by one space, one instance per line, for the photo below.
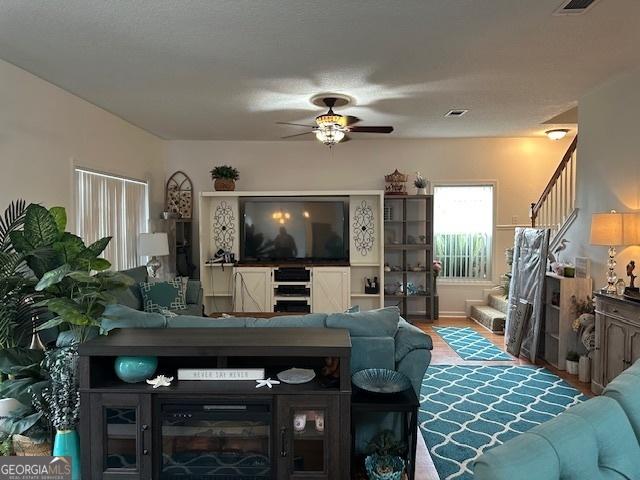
583 267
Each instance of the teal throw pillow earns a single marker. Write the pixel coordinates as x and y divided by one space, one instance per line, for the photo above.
160 296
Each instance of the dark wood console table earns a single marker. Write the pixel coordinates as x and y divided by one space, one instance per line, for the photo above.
132 431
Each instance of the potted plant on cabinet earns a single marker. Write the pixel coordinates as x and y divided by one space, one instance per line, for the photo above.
384 460
421 184
224 178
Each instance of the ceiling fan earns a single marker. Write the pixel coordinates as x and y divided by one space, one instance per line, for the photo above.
331 127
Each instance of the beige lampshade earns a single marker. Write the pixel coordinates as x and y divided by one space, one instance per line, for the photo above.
631 228
153 244
607 229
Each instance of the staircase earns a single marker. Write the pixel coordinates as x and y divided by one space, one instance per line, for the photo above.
555 209
493 315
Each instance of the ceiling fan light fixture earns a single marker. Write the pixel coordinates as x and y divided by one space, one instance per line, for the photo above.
331 119
557 133
329 135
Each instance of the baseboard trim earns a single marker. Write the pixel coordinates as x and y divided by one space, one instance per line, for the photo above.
452 314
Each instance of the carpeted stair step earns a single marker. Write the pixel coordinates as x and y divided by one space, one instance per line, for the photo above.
499 302
489 317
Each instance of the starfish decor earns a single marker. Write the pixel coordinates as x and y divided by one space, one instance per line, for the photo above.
160 381
267 382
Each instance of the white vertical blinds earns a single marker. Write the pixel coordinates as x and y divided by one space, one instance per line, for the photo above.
463 230
107 205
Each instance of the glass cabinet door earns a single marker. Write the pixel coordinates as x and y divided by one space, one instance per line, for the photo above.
120 436
308 436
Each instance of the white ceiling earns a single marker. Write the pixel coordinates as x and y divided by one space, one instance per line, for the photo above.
229 69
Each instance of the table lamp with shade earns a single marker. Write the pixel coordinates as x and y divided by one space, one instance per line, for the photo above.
153 245
613 229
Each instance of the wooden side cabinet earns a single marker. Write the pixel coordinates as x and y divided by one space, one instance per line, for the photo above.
617 339
308 432
121 436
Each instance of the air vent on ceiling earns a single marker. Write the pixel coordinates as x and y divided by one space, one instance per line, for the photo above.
575 7
455 113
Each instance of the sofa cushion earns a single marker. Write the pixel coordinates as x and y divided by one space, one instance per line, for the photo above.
372 352
121 316
625 389
592 440
373 323
409 338
193 292
187 321
312 320
138 275
168 295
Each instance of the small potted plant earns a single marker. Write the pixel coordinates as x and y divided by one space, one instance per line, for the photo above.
421 184
224 178
384 460
572 362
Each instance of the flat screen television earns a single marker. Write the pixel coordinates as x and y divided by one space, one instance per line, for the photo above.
289 229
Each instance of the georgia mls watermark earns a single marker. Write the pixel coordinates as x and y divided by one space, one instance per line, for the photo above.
35 468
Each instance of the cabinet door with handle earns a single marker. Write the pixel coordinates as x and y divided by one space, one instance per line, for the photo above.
615 348
634 345
308 433
120 437
331 288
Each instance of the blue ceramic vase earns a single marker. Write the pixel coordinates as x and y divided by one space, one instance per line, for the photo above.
135 369
67 444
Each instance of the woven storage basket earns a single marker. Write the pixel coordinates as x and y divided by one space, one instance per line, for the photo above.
25 447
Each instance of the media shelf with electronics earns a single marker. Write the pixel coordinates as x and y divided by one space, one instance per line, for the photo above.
232 428
314 251
408 255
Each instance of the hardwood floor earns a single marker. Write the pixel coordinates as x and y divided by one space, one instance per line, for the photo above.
443 354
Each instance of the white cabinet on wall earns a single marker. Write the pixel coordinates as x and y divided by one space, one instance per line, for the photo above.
253 290
331 287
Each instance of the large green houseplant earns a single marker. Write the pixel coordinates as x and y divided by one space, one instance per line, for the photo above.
72 279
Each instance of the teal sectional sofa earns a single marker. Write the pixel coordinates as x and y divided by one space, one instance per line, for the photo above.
380 338
596 440
131 297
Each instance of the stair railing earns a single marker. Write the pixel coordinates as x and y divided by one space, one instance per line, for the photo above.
556 205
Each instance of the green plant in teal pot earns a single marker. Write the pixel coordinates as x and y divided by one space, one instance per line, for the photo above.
385 460
60 404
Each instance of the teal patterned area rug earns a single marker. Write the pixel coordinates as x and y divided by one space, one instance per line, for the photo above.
470 345
465 410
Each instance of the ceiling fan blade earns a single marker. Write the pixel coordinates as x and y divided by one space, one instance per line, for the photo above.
295 124
386 129
351 120
297 135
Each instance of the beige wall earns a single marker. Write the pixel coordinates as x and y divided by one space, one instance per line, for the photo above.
608 172
519 166
45 130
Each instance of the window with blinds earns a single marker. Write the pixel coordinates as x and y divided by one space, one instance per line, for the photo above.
463 230
108 205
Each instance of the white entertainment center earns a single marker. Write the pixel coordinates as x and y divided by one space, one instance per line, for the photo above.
322 286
